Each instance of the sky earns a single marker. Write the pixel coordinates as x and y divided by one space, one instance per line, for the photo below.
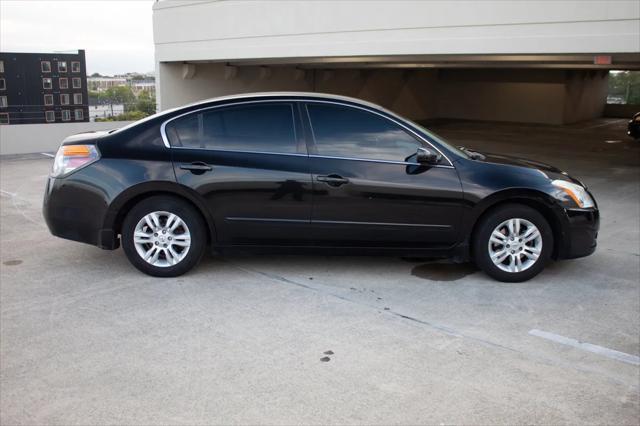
117 35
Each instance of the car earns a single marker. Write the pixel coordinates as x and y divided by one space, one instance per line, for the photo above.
310 173
633 128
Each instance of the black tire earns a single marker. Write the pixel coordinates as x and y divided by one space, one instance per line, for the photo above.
192 219
488 224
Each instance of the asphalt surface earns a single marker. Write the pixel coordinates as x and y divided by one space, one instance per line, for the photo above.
87 339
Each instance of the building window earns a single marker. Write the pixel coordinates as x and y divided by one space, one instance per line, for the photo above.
4 118
79 114
77 98
48 100
1 66
46 83
62 66
3 102
3 85
49 116
66 115
63 82
75 66
76 82
45 66
64 99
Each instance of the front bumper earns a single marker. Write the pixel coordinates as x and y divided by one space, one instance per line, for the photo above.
580 233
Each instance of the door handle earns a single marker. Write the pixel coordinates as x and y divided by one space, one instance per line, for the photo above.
332 180
197 167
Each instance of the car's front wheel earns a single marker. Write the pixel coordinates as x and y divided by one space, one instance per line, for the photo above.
163 236
513 243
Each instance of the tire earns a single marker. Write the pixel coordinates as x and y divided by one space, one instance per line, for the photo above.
526 255
171 253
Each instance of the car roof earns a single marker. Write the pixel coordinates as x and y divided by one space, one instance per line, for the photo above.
257 95
302 95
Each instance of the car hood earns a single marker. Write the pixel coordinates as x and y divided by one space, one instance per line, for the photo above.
548 170
516 161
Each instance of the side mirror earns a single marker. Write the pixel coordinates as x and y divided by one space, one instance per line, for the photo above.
426 156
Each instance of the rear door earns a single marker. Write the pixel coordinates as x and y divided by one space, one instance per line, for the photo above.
368 189
249 162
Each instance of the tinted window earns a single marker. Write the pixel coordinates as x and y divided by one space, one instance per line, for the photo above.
259 127
348 132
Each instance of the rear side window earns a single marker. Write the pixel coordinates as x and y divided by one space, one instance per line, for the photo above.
341 131
256 127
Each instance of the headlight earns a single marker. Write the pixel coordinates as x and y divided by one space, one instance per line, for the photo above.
72 157
577 193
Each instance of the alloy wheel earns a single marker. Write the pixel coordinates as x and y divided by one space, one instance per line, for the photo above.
162 239
515 245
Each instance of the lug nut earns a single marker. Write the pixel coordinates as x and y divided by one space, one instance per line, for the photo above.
157 243
513 251
164 231
155 234
170 238
508 246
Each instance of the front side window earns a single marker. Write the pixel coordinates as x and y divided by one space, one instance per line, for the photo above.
75 66
347 132
3 102
66 115
46 83
77 98
62 66
45 66
50 116
3 84
48 100
260 127
77 82
64 83
64 99
78 114
1 66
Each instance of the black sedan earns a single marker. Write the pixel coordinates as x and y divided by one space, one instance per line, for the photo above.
301 172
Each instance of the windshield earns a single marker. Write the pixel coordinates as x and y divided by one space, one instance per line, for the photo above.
439 139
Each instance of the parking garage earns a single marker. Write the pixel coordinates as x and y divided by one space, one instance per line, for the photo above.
425 61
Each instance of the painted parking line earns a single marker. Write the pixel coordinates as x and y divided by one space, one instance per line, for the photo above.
46 154
589 347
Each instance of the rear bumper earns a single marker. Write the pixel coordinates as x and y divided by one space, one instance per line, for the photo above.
75 211
580 233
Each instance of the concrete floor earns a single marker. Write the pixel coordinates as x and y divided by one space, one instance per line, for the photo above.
87 339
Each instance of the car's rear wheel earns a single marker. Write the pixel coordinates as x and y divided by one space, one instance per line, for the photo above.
163 236
513 243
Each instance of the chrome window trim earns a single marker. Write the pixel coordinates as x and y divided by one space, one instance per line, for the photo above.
239 151
165 139
372 160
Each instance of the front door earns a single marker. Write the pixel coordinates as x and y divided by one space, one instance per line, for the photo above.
250 166
368 189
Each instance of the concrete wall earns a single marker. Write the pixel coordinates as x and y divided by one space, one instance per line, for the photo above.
518 95
234 30
30 138
528 96
585 95
411 93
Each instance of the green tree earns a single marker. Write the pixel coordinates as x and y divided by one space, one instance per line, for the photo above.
626 86
146 103
120 95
